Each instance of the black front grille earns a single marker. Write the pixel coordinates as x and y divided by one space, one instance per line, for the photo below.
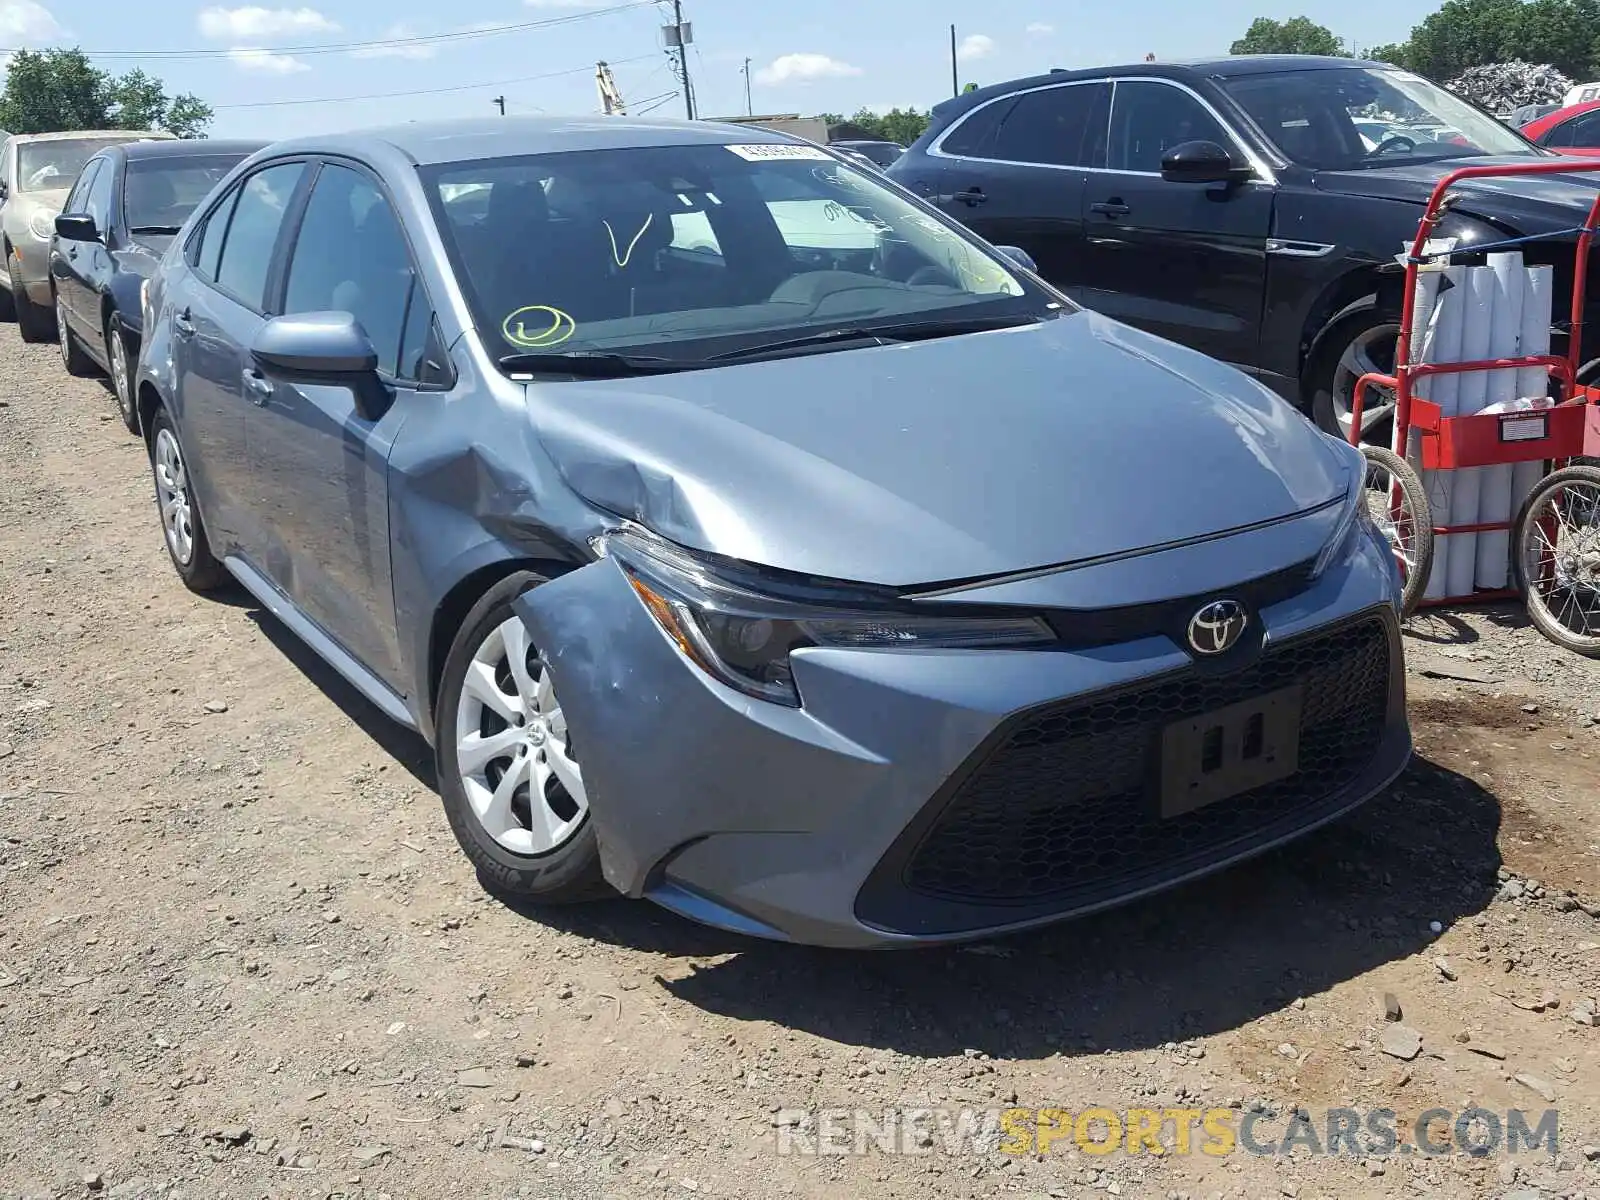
1064 804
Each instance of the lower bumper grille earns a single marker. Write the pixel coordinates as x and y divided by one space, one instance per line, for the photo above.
1062 806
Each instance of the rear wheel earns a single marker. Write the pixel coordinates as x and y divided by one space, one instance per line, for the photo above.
1555 558
1398 506
1355 345
181 526
509 771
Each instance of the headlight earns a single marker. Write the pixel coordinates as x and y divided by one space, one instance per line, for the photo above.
1353 513
42 225
744 639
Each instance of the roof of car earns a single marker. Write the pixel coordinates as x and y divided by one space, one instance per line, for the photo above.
432 142
186 148
73 135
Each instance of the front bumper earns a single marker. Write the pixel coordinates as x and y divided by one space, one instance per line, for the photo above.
34 257
836 824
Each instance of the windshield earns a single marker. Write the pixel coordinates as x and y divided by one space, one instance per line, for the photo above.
691 251
160 193
1353 117
53 165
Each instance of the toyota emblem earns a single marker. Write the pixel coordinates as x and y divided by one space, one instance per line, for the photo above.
1218 627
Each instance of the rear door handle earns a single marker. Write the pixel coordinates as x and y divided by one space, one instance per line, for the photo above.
257 386
182 324
1110 208
972 196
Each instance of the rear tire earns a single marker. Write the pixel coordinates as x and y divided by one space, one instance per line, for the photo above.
1408 532
507 767
1555 558
33 323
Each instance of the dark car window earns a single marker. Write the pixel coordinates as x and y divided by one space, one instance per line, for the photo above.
1059 126
97 200
1148 119
207 247
78 197
159 193
974 137
350 256
1583 130
253 231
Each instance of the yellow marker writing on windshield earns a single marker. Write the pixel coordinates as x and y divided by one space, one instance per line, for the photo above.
548 327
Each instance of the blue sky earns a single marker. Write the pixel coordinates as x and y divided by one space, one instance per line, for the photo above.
818 55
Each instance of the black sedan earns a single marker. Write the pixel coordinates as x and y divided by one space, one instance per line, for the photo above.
1251 207
128 203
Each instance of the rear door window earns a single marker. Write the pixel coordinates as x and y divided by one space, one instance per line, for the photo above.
975 136
1059 126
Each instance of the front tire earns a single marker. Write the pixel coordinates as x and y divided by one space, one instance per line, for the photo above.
33 322
76 362
508 770
181 527
1352 346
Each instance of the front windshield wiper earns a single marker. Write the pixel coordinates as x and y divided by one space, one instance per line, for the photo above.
909 331
168 229
594 364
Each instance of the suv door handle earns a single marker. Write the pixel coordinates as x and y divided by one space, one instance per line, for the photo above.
182 324
1111 208
972 196
258 386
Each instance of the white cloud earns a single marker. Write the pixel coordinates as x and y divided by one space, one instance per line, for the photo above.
414 51
251 23
24 23
975 45
1041 29
265 61
802 68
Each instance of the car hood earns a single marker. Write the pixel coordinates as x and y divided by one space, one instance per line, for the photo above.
953 459
1528 205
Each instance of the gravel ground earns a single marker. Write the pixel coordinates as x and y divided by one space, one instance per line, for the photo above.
240 955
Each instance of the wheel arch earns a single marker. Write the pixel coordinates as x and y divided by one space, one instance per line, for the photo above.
1344 295
149 399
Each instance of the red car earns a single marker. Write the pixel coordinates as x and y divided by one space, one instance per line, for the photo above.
1571 130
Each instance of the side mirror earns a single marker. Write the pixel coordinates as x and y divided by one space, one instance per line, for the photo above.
327 348
1201 162
76 227
1019 256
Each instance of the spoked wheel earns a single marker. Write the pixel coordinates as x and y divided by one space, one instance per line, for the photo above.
1556 558
1398 506
509 770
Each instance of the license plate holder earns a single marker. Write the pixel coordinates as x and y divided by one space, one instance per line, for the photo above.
1230 750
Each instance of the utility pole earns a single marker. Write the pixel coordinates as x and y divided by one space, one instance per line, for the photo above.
500 103
955 75
749 105
679 35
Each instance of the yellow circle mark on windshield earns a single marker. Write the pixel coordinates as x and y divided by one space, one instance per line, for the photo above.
537 327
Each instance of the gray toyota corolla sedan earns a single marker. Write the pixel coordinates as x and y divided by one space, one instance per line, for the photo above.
746 536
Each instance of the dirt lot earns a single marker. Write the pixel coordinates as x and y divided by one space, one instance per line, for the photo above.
240 955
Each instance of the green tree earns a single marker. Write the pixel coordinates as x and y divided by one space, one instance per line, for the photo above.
1298 35
47 91
903 125
1395 53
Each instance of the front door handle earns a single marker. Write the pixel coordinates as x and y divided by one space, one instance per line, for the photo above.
257 386
1111 208
182 324
971 197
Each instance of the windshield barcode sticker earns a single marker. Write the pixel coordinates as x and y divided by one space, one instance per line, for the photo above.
777 151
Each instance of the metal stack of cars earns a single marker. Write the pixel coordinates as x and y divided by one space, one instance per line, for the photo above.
746 534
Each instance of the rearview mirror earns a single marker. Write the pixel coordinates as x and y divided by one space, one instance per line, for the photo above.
1201 162
76 227
327 348
1019 256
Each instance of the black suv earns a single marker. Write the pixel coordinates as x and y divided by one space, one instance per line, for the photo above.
1251 207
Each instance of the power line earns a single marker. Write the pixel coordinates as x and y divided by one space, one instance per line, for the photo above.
381 44
460 87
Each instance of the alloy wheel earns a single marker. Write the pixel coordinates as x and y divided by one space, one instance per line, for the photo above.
1371 350
172 493
63 336
513 749
117 352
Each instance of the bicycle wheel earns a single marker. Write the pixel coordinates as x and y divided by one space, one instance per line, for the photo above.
1556 558
1398 506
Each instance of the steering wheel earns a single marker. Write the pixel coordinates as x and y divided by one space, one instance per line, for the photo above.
930 273
1394 139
